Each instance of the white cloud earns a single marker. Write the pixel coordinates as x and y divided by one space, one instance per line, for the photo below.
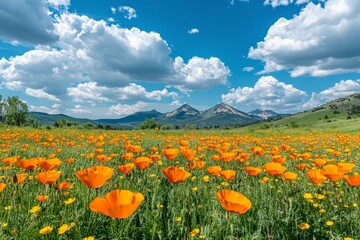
78 109
91 93
110 19
113 10
319 41
193 31
25 21
44 109
248 69
56 105
276 3
342 89
268 93
40 93
200 73
129 12
126 109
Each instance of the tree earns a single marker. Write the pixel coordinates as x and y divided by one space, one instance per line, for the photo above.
150 124
16 111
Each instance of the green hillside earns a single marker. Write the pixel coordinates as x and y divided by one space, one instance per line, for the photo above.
337 114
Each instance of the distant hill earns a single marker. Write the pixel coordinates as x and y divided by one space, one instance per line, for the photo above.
183 112
135 117
337 113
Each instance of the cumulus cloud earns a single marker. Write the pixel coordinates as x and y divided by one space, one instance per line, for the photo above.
113 10
40 93
28 22
319 41
92 51
126 109
91 93
129 12
193 31
200 73
276 3
341 89
268 93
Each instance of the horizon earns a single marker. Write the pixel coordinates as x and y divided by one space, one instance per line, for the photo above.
110 59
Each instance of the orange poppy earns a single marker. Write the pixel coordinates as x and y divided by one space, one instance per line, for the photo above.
170 153
188 153
103 158
142 162
319 162
332 172
315 176
184 143
214 170
243 157
175 174
227 156
253 171
48 177
345 168
289 176
233 201
95 177
41 198
50 164
257 150
134 148
117 203
228 174
127 156
2 186
274 169
278 159
301 166
63 186
28 164
126 168
19 178
353 181
70 160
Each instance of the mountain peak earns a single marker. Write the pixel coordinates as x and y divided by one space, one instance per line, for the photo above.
184 110
225 108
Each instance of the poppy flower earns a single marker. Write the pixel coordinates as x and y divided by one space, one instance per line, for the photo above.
289 176
301 166
353 180
134 148
175 174
315 176
319 162
332 172
103 158
233 201
19 178
170 153
126 168
278 159
228 174
274 169
48 177
227 156
117 203
253 171
345 168
95 177
214 170
63 186
184 143
142 162
127 156
187 153
2 186
28 164
49 164
257 151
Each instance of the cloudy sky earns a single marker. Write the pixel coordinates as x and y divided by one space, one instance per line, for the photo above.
110 58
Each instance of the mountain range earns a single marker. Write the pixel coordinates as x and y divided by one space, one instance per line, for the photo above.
219 115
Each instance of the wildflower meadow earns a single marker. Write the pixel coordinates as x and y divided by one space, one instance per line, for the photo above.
217 184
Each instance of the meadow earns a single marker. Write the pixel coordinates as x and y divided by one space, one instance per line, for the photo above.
218 184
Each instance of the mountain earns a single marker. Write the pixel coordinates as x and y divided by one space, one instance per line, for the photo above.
221 115
50 119
265 114
183 112
135 117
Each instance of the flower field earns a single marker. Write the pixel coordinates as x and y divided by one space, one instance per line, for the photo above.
92 184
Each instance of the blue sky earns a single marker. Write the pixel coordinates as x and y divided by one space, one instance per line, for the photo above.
111 58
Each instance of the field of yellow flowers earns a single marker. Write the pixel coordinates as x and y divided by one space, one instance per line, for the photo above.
89 184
